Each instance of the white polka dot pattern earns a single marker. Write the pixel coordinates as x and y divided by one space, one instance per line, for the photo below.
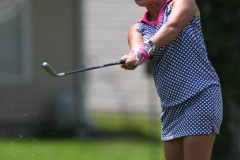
201 114
180 69
186 82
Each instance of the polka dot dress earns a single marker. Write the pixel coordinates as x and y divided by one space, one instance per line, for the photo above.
185 80
200 114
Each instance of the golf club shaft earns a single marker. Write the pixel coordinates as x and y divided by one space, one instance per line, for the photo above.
95 67
51 71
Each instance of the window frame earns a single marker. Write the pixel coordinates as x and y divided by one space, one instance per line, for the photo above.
24 74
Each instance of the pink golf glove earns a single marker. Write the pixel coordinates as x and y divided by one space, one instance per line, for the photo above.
142 53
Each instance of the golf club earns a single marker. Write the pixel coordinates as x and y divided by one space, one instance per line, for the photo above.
51 71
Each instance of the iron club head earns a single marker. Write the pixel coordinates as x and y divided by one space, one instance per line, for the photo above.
50 70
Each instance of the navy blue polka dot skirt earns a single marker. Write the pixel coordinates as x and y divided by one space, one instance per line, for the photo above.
200 114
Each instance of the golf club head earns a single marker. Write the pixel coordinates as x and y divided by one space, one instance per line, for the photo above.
50 70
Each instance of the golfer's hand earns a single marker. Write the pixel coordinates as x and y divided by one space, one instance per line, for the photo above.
130 63
142 53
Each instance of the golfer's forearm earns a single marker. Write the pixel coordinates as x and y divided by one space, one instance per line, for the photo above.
134 37
166 34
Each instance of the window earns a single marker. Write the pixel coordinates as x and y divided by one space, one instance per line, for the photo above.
14 41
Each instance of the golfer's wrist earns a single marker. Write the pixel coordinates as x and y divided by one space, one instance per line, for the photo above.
151 45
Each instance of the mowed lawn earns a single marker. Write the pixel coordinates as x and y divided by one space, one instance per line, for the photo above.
118 148
71 149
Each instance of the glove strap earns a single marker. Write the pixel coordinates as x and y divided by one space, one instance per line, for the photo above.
152 45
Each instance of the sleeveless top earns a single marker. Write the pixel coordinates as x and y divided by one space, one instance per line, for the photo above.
181 69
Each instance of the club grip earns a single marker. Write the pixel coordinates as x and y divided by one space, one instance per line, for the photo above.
122 61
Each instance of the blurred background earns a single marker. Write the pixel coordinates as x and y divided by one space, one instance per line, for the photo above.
100 114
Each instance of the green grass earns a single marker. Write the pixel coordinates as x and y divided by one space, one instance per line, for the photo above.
135 123
123 148
71 149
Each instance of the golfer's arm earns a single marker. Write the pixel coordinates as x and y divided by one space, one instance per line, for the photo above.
134 37
181 14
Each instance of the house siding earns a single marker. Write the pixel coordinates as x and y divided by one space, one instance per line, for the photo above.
53 30
106 25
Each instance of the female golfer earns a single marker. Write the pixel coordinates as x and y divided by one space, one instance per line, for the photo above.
170 36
